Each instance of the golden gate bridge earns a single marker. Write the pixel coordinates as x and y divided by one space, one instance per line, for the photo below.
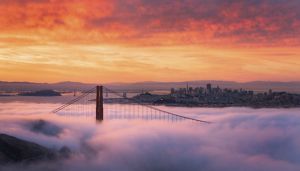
116 106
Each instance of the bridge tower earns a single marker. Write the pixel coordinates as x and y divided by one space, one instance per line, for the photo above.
99 103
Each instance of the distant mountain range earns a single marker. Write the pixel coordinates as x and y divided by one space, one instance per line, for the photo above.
151 86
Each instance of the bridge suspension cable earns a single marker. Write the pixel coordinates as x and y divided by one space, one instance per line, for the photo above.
84 94
142 107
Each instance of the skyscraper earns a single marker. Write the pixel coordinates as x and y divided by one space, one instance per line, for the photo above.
208 87
187 88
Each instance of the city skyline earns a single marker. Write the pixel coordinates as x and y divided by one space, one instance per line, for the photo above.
139 40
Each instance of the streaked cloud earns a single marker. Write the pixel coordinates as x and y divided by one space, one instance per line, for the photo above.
150 40
157 22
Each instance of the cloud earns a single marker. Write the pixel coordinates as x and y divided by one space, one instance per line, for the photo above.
44 127
239 139
157 22
142 40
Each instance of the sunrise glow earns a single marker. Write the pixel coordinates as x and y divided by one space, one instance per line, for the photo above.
149 40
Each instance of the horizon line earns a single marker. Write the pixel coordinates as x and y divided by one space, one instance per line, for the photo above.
189 81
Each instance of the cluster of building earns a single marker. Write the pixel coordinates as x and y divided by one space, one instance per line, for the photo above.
216 96
208 91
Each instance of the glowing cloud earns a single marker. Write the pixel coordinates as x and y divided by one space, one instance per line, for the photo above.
242 40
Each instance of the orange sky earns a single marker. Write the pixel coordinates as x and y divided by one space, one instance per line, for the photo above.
140 40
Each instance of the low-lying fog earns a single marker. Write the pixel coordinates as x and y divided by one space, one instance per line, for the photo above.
239 139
